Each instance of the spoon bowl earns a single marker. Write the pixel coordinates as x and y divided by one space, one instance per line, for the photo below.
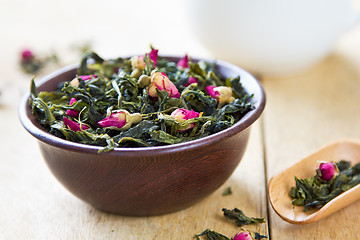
280 185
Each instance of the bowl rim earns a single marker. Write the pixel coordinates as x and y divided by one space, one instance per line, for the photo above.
246 121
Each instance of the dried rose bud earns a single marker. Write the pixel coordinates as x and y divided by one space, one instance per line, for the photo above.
327 171
211 91
117 120
184 114
74 83
26 55
191 81
183 62
121 119
71 112
181 115
138 62
246 235
136 73
87 77
144 80
153 56
160 81
74 125
222 94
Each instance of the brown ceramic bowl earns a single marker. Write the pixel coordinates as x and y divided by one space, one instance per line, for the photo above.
147 180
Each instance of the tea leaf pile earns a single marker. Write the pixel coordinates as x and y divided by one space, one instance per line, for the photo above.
313 193
113 87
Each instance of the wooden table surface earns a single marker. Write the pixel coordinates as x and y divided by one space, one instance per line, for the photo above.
303 113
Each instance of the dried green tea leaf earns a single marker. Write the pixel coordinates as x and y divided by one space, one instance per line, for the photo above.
42 111
343 165
33 91
198 101
236 85
259 236
211 235
163 137
90 63
227 191
240 218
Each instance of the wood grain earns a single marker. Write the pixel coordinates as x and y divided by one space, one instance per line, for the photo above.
280 185
36 206
33 204
305 113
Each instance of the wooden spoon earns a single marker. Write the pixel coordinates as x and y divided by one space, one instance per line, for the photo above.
279 186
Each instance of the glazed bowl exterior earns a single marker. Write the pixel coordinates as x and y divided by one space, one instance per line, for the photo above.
145 181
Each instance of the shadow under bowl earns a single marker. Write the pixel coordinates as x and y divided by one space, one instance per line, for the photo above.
145 181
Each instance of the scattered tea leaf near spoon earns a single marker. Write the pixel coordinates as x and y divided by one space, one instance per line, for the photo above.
280 185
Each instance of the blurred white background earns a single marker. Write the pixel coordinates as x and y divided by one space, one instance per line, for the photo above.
113 28
118 25
117 28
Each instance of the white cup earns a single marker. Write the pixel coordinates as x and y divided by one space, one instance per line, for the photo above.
270 37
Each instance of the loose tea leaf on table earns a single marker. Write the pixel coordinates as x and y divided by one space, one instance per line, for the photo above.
142 101
243 235
240 218
211 235
32 63
315 192
259 236
227 191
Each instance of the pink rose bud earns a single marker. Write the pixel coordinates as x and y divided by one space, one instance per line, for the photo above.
222 94
184 114
138 62
162 82
153 56
71 112
117 120
121 119
87 77
210 90
327 171
191 81
181 115
74 125
246 235
27 54
183 62
75 82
